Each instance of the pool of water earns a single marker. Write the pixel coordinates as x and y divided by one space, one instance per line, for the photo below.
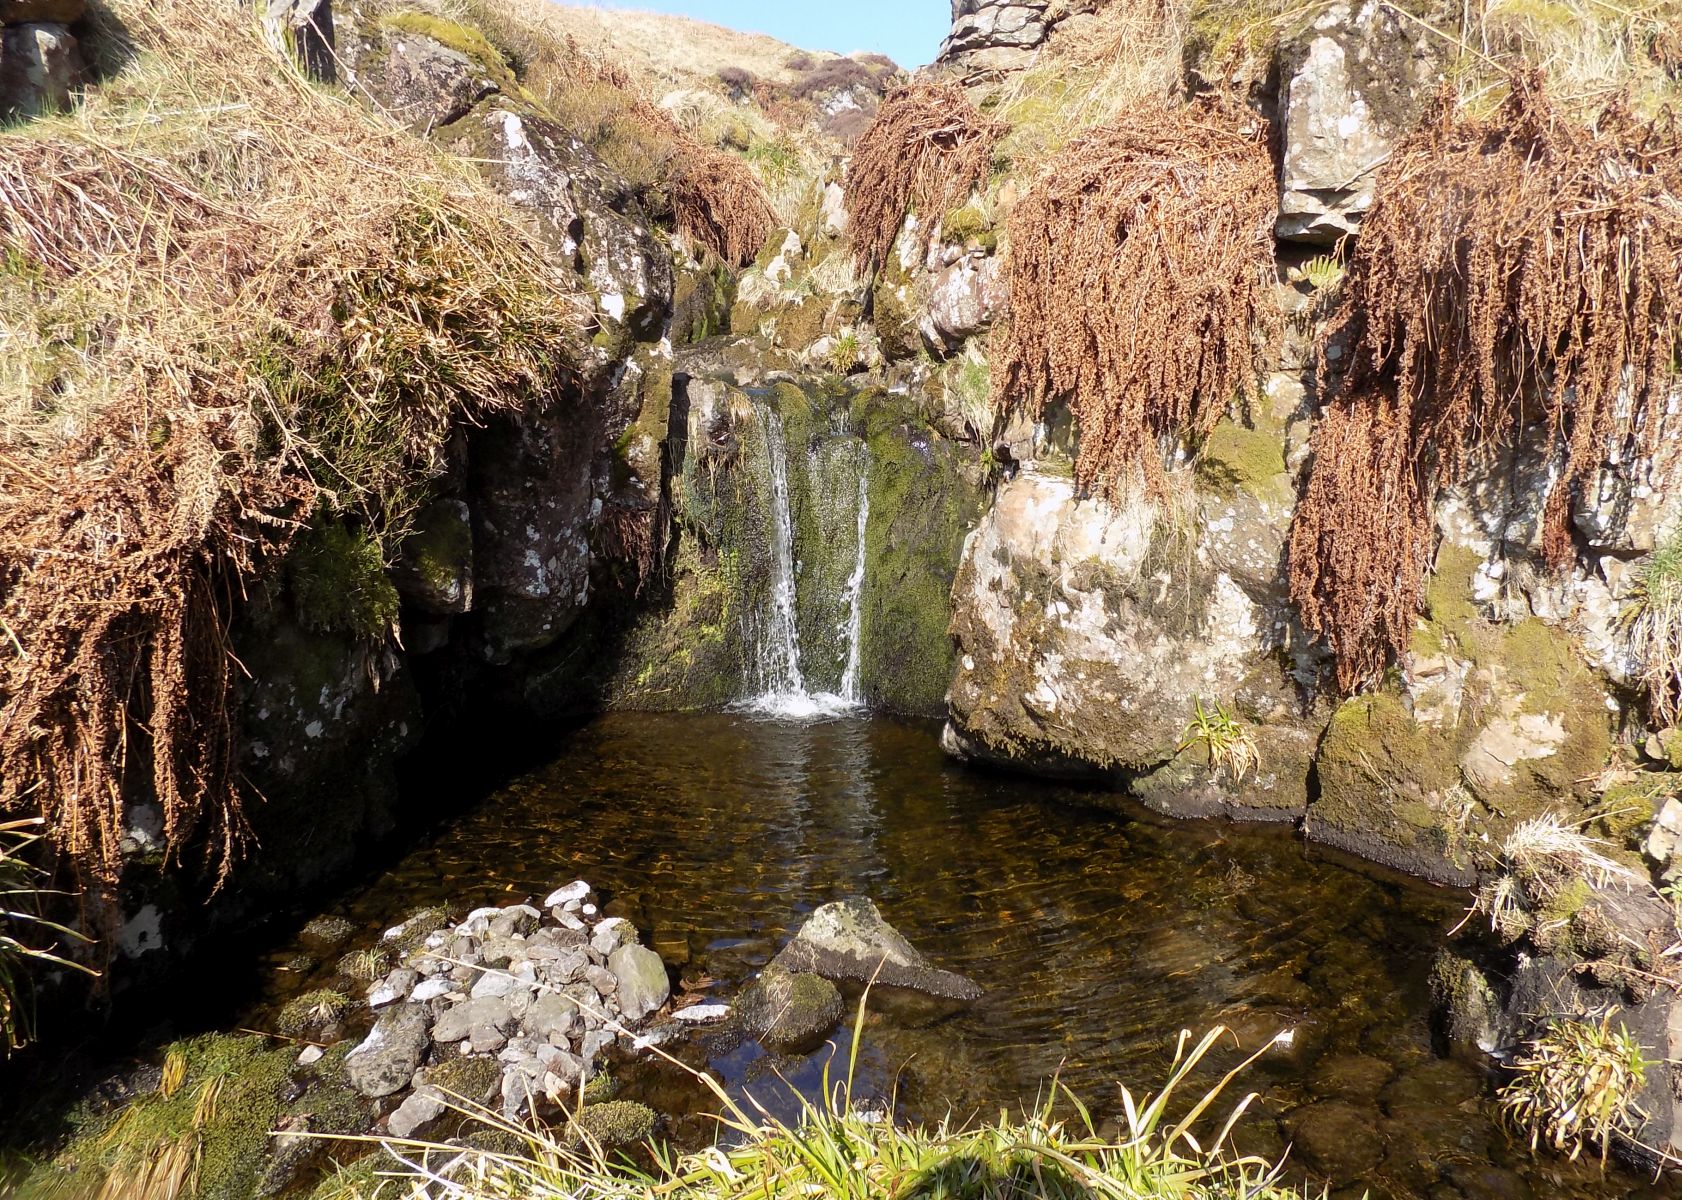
1098 935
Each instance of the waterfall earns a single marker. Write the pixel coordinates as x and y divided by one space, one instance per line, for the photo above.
779 683
779 642
850 690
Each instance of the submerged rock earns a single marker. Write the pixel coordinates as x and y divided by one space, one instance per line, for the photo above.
847 941
790 1012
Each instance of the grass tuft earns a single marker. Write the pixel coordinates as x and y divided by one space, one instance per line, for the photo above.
1575 1086
843 1151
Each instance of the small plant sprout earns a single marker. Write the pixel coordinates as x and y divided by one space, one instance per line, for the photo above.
1575 1084
1225 739
1320 272
845 353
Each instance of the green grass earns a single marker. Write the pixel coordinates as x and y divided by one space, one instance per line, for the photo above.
1575 1086
839 1151
1652 626
1224 739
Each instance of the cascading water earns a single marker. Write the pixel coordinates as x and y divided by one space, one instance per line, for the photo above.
850 687
781 685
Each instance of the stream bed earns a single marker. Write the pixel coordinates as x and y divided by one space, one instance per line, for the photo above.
1097 935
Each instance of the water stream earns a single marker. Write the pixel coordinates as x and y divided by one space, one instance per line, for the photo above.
779 682
1097 936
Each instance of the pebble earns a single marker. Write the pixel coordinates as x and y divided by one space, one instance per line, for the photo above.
493 983
394 987
310 1054
572 891
431 989
701 1014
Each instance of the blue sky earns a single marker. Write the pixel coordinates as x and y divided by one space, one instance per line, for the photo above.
907 31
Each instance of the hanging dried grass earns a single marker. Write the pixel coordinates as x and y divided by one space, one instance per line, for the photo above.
233 312
1141 283
1516 273
717 200
926 150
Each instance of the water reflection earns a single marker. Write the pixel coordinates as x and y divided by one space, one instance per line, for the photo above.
1097 936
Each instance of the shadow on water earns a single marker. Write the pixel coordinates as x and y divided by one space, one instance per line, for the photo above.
1098 936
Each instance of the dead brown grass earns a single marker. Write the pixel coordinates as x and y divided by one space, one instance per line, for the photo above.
926 150
239 297
1140 266
1517 277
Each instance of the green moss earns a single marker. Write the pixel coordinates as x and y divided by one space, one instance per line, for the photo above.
922 504
892 310
801 323
1237 459
1387 778
229 1098
467 1078
745 318
1448 592
339 584
617 1124
1670 744
311 1011
441 550
967 224
463 39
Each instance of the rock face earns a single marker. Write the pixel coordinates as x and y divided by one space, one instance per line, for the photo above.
40 63
1001 35
847 941
1086 637
1353 82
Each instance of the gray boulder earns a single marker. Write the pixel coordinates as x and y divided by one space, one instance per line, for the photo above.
847 941
643 983
1355 80
388 1057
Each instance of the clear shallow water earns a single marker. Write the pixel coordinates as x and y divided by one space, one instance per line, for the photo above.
1098 936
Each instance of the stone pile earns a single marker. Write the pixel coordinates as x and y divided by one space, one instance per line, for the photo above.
40 58
543 993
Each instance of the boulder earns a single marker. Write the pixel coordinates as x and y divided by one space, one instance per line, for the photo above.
40 66
643 983
419 81
1087 633
1355 81
965 298
789 1012
847 941
388 1057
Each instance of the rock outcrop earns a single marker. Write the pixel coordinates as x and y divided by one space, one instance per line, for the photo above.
40 57
1352 83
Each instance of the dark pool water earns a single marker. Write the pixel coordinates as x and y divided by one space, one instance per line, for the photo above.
1097 935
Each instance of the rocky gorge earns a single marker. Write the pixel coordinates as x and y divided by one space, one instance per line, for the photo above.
790 485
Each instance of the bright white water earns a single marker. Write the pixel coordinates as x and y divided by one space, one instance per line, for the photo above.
782 691
850 690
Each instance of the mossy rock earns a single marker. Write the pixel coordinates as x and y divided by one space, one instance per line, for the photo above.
790 1012
924 499
327 933
465 1077
1386 787
1235 459
617 1124
339 582
465 40
702 301
312 1011
230 1096
801 323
